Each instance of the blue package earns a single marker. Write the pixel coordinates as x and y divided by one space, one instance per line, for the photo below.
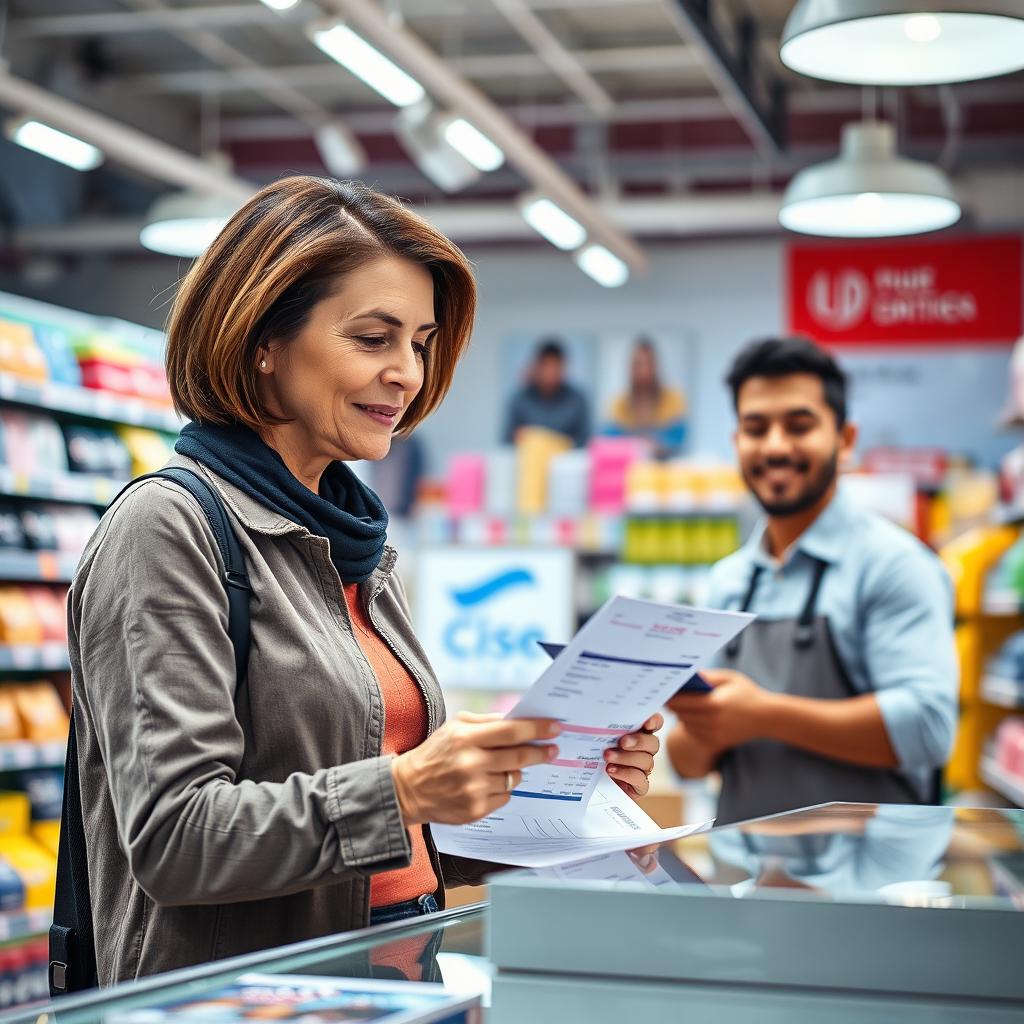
55 344
12 888
695 684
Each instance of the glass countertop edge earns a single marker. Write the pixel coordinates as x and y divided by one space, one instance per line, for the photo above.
98 1001
515 880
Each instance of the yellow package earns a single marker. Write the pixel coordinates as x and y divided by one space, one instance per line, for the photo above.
36 866
149 449
15 813
19 623
10 720
47 834
43 718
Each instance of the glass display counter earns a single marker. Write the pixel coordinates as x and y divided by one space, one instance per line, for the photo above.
842 912
845 913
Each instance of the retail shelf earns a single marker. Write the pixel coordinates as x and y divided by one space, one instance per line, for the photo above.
23 754
37 566
80 488
1004 693
86 402
34 658
24 924
1005 784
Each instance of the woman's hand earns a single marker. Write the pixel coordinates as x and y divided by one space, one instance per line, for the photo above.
466 769
630 763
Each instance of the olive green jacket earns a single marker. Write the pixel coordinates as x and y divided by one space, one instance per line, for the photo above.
220 823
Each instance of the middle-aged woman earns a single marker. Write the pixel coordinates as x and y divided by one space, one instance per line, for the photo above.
324 317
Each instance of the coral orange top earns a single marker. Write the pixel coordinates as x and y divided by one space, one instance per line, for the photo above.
405 727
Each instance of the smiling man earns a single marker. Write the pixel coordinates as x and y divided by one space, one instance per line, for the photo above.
845 686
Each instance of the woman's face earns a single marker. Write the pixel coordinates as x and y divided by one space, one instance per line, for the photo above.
644 370
346 379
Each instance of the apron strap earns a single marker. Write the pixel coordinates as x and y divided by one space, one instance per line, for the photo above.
804 634
733 647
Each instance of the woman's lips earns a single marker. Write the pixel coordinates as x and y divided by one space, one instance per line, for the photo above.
383 414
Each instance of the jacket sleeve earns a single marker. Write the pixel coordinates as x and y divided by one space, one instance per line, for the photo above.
149 617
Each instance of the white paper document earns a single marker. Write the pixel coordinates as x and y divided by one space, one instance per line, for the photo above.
526 834
619 669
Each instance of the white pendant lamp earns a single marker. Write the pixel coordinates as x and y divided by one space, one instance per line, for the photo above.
904 42
869 191
185 223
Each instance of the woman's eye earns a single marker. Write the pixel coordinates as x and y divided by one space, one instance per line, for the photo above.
371 339
421 350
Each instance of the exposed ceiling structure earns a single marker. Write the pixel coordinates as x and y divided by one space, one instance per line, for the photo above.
644 118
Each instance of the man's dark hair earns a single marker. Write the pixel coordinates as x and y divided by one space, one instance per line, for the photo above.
550 347
782 357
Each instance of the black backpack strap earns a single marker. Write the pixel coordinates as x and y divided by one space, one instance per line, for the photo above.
72 950
72 944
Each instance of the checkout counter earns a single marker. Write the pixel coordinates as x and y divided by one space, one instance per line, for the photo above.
844 912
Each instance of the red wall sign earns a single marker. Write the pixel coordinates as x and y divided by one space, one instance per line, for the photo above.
947 292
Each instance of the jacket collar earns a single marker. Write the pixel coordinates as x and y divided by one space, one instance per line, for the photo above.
260 519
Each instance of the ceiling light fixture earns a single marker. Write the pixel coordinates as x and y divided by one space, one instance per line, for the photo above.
279 5
420 130
897 42
341 152
57 145
185 223
869 191
483 154
552 222
367 63
602 265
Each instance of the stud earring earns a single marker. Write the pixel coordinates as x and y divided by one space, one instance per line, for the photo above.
263 364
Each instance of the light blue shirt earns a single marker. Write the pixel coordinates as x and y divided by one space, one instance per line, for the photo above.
889 604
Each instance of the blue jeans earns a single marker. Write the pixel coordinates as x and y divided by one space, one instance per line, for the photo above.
400 911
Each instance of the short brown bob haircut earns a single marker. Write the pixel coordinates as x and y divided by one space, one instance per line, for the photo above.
283 252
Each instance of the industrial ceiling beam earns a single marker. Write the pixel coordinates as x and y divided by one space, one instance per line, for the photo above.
673 57
755 98
120 142
458 95
120 22
557 57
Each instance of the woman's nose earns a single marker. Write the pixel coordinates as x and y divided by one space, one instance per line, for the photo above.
405 369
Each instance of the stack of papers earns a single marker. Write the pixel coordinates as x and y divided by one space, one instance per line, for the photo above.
618 670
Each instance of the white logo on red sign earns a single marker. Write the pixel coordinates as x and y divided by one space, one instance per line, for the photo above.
839 303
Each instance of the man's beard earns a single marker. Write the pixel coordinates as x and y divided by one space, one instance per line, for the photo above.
816 488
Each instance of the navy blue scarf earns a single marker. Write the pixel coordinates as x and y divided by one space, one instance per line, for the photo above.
345 511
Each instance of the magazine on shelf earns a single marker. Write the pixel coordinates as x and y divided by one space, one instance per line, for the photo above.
310 999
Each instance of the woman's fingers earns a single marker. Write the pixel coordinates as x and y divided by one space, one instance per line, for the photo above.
629 760
507 732
640 741
510 759
502 783
654 723
632 777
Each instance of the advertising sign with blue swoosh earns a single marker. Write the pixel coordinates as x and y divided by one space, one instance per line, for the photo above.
481 612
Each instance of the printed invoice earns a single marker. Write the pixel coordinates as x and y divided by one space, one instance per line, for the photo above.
620 668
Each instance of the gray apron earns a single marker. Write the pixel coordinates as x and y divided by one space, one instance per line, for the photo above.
795 656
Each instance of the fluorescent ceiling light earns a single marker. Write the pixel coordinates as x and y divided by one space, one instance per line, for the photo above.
869 191
881 42
57 145
185 223
353 52
602 265
340 150
551 221
473 145
279 5
420 130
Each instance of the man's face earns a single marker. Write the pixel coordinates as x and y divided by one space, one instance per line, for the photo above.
549 373
788 444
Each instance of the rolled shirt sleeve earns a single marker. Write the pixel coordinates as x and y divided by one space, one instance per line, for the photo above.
910 656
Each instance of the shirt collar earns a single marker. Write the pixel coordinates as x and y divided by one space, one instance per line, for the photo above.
825 539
